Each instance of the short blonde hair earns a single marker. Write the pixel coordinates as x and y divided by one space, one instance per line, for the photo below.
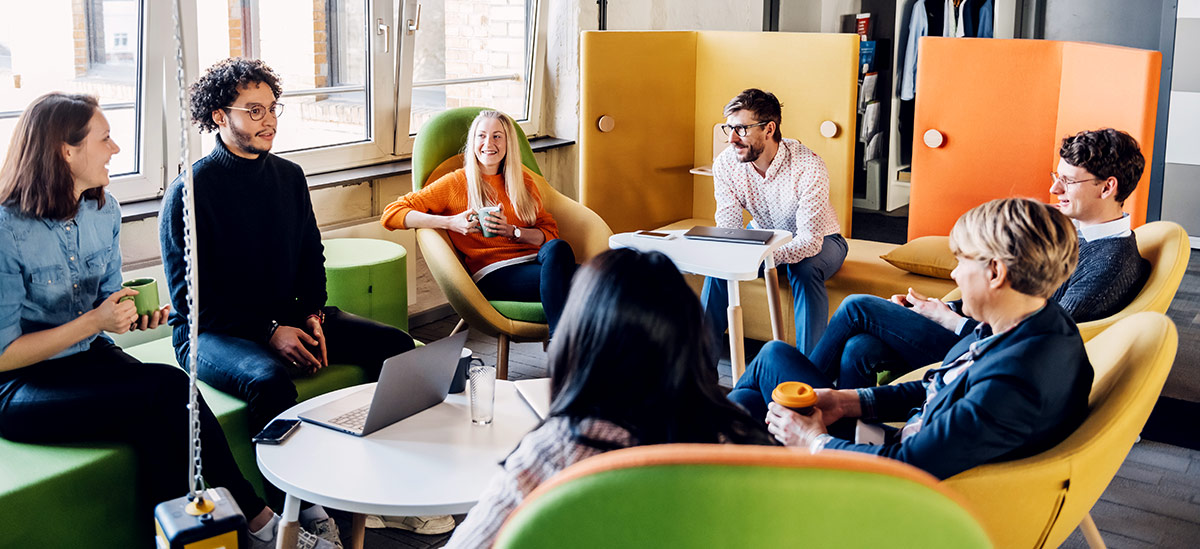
1034 241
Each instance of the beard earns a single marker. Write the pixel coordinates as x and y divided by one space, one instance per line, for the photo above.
244 141
748 154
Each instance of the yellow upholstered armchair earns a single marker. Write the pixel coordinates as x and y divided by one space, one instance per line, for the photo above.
1038 501
436 152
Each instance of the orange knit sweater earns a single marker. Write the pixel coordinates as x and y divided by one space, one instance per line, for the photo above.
448 196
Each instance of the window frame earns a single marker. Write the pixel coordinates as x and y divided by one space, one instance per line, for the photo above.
390 70
535 31
150 180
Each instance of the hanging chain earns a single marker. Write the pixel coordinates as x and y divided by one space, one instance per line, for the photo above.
195 469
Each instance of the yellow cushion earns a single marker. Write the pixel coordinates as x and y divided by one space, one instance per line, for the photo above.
927 255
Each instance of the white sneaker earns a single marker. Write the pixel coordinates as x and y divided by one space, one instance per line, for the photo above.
439 524
306 540
320 523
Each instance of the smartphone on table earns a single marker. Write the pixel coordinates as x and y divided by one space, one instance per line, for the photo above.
655 234
276 432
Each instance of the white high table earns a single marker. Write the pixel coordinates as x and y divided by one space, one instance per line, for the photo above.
730 261
433 463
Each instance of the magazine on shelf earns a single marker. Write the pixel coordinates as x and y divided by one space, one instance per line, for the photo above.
866 93
870 122
866 57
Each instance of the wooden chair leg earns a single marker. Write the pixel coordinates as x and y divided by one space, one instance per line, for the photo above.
1091 533
462 322
502 357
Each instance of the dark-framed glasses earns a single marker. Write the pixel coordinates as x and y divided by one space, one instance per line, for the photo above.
257 112
1056 178
740 129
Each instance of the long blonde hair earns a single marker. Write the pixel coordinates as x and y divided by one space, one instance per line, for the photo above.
478 193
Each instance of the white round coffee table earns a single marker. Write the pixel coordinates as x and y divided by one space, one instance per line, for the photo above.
433 463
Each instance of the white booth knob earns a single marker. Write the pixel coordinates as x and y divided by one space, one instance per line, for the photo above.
606 123
934 139
829 129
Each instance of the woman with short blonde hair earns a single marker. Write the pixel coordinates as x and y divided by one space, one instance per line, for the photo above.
1015 386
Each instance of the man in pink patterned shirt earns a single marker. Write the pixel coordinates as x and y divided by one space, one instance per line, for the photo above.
784 185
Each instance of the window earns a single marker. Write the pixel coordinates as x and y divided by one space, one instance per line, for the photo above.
359 79
469 53
84 46
333 72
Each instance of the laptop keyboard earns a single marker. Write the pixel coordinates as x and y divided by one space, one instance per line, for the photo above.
354 419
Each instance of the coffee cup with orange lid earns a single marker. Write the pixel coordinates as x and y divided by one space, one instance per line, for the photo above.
798 396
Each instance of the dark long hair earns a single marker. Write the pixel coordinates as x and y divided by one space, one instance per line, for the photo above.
632 349
36 179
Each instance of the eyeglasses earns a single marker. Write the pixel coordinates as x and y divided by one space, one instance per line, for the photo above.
257 112
740 129
1055 178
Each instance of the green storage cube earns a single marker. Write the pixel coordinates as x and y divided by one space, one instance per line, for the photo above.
368 277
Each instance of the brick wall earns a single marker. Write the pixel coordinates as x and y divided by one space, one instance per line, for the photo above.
486 37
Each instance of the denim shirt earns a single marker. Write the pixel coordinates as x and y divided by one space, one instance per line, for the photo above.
52 271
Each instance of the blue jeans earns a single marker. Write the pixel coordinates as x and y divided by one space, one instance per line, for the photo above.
869 334
776 363
807 279
546 280
254 372
103 395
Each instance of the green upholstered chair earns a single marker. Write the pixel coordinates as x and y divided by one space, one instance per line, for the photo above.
438 151
701 495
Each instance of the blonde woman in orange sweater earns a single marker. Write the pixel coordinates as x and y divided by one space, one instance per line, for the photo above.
524 260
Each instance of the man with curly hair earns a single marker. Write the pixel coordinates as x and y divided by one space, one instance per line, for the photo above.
263 318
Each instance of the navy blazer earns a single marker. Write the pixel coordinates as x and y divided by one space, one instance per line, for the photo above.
1026 392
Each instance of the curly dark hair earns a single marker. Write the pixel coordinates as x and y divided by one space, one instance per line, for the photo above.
219 86
1106 153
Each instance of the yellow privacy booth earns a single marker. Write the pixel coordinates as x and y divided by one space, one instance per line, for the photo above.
664 91
648 105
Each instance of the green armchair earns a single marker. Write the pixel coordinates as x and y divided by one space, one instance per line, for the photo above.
437 151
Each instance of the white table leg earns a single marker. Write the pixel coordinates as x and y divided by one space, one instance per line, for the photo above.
289 524
737 344
772 277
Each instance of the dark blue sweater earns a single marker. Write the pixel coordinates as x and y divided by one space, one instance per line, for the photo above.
260 252
1026 391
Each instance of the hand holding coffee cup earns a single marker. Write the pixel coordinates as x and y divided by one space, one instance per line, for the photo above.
149 314
799 397
487 216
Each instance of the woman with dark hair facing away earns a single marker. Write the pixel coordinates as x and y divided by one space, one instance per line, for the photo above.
630 366
523 258
60 290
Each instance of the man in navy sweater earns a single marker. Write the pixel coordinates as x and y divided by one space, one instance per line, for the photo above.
1098 170
263 317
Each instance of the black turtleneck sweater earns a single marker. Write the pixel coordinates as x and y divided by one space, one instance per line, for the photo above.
260 252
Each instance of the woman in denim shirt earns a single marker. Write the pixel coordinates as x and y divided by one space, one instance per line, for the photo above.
61 378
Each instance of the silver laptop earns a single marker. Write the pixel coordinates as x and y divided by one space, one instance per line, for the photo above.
720 234
409 383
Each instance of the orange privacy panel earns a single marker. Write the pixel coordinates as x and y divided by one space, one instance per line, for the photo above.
1004 106
994 101
1114 87
636 176
815 77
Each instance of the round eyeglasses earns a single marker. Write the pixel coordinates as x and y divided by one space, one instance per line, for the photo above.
1055 178
258 112
740 129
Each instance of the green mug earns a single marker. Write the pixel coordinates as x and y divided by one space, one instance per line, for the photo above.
146 300
482 213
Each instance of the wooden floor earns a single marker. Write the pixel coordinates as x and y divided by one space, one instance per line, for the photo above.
1153 502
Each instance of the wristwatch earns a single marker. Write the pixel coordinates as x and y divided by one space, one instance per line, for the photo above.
516 233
